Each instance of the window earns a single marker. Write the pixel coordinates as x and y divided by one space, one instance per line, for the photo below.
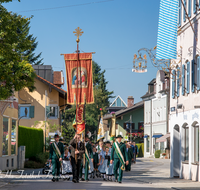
26 111
194 6
13 137
189 8
162 148
5 137
173 83
147 144
184 13
156 145
52 111
183 79
178 82
186 143
179 13
196 144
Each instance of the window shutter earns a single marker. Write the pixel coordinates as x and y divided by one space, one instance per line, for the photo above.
178 82
198 73
31 111
188 78
183 79
179 13
18 112
173 84
189 8
48 109
184 13
193 75
194 6
57 111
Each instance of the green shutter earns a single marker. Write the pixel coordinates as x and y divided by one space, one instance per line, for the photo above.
48 109
31 111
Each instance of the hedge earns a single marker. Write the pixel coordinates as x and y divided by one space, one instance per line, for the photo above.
157 154
32 138
140 149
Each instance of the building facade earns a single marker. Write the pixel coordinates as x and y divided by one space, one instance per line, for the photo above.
9 133
185 96
156 115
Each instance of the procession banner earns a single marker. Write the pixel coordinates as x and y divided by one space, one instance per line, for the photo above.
167 29
81 78
100 134
112 132
80 120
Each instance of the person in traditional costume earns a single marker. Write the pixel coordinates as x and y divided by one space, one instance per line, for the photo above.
66 166
101 161
120 157
88 157
55 157
95 162
77 150
130 156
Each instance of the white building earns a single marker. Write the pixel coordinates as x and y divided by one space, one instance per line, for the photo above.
156 115
185 97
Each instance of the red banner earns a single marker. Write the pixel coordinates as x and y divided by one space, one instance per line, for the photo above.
81 78
80 120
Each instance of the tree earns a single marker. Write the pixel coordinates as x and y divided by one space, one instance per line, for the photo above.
6 1
15 70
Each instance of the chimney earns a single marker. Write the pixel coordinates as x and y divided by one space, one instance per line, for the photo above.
130 101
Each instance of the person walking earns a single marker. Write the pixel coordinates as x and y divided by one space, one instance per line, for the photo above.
135 153
55 157
130 156
78 149
120 157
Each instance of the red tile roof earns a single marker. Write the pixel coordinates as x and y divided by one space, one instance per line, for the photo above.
51 84
58 78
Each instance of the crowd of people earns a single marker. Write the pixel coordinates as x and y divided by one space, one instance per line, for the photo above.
106 160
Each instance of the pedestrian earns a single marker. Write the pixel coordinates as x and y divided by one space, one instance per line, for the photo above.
135 153
101 161
88 156
95 162
130 156
77 151
55 157
120 158
66 167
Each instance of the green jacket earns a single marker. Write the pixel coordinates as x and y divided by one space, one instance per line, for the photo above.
89 149
122 148
130 153
52 154
96 157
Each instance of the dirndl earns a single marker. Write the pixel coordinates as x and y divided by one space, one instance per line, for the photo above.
66 167
104 167
91 169
109 170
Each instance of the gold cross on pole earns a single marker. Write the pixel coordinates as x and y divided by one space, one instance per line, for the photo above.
78 32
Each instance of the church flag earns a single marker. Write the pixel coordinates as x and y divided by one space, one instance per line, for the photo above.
112 132
100 134
80 120
81 78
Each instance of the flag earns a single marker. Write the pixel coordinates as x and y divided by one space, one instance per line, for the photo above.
112 132
100 134
81 78
167 30
80 120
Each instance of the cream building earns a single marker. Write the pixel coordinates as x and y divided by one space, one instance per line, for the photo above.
185 97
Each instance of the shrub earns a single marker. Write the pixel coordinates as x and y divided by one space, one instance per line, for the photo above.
140 149
157 154
33 164
33 139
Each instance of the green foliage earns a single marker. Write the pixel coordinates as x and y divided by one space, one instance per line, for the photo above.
68 131
16 54
32 138
140 149
101 99
33 164
6 1
157 154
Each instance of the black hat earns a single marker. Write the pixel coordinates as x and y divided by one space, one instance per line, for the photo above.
107 142
119 136
86 136
56 136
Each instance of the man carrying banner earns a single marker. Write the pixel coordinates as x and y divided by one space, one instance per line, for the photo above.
120 156
55 157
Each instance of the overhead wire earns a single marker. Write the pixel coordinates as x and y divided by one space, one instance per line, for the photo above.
67 6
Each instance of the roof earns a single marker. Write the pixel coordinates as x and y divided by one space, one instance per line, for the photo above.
124 111
116 100
58 78
152 81
148 95
60 90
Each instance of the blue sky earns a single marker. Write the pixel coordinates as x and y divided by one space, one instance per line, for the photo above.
114 29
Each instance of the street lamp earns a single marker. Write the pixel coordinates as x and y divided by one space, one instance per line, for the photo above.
47 115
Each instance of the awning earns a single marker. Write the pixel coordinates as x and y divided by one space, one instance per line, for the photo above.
146 136
163 138
157 135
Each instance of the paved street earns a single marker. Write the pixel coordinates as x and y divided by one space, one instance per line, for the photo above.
146 174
